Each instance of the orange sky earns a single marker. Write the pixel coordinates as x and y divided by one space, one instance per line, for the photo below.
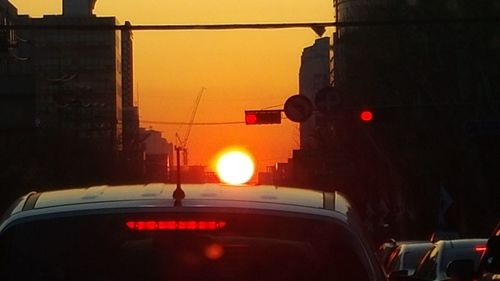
240 69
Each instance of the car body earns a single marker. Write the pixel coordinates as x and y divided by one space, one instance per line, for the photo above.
489 267
385 250
406 256
435 263
196 232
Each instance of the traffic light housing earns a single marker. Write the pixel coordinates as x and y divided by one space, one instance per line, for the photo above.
258 117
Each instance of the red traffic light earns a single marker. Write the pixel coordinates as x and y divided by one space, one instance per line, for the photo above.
257 117
366 116
251 118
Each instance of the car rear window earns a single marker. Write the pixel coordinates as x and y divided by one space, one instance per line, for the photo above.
413 256
451 254
242 247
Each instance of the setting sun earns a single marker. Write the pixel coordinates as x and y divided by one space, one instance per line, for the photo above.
235 167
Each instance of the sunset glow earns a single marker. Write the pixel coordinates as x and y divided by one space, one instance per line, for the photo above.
235 167
240 69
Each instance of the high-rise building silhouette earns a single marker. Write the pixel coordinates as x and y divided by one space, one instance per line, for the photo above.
78 8
314 75
434 91
83 118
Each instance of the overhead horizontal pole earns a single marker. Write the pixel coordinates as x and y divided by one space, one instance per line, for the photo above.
164 26
481 20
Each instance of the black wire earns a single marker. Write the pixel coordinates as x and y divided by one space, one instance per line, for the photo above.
194 124
197 123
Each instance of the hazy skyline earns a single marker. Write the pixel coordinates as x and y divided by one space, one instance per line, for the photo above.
240 69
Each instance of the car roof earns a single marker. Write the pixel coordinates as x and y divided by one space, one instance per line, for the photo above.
160 195
461 243
415 245
413 242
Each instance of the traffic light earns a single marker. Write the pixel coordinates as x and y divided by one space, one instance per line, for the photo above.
366 116
258 117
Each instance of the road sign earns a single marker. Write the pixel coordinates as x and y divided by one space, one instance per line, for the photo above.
298 108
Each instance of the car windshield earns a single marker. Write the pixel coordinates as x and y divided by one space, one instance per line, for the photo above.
246 247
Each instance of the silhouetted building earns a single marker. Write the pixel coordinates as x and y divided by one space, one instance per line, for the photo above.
435 94
18 162
284 174
131 143
158 156
267 177
74 90
314 75
8 13
194 174
319 163
16 78
78 8
211 177
80 71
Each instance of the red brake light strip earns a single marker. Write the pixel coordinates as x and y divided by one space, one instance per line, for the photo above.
480 248
175 225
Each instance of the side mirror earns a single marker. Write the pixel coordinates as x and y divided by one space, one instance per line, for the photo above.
461 269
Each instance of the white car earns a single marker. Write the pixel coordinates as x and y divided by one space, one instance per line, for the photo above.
405 257
199 232
436 263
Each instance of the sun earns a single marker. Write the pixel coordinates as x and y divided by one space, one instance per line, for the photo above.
235 167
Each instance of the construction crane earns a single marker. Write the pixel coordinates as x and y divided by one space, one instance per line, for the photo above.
182 143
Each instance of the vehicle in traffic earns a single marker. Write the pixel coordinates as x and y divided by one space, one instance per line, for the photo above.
197 232
385 250
489 267
405 257
447 259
